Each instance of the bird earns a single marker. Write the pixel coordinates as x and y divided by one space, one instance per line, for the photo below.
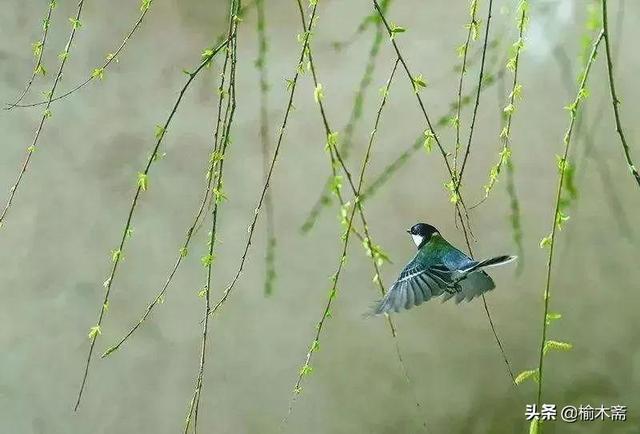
437 269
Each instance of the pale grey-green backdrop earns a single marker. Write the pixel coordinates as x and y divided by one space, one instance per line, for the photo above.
54 247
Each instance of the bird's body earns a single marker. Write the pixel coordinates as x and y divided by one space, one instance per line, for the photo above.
437 269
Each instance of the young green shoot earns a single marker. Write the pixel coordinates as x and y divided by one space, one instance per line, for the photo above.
514 95
38 52
291 86
46 114
559 218
98 73
160 134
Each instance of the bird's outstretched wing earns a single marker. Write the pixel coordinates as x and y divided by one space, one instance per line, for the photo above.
417 283
420 282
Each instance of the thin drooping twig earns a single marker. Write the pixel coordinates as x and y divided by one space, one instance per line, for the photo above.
326 312
182 253
615 102
345 144
292 87
478 92
337 159
456 196
214 163
98 73
558 218
209 260
466 99
516 92
417 145
75 24
38 50
472 33
514 203
587 135
261 64
362 27
142 186
459 181
396 164
454 188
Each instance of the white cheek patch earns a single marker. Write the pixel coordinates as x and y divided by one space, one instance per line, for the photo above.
417 239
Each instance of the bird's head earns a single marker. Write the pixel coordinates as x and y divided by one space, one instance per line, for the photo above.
421 233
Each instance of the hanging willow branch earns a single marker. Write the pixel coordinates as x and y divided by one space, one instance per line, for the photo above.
615 102
209 259
292 88
516 92
463 50
38 52
417 83
356 113
142 185
337 159
46 114
348 222
98 73
559 217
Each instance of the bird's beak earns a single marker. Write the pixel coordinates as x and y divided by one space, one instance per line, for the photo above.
408 231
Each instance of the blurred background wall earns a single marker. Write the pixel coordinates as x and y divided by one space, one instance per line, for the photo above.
68 216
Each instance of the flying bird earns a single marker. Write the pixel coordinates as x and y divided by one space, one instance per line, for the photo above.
438 268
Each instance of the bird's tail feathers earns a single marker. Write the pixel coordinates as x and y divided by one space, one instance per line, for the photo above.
492 262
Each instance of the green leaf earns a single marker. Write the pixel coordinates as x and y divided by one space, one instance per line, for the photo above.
94 331
525 375
429 139
336 184
545 242
207 260
160 130
556 345
76 24
552 316
115 255
419 82
219 195
305 370
318 94
143 181
41 70
109 351
397 29
98 73
534 426
207 54
461 50
332 139
289 82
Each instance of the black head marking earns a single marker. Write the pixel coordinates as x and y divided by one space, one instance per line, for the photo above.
422 233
